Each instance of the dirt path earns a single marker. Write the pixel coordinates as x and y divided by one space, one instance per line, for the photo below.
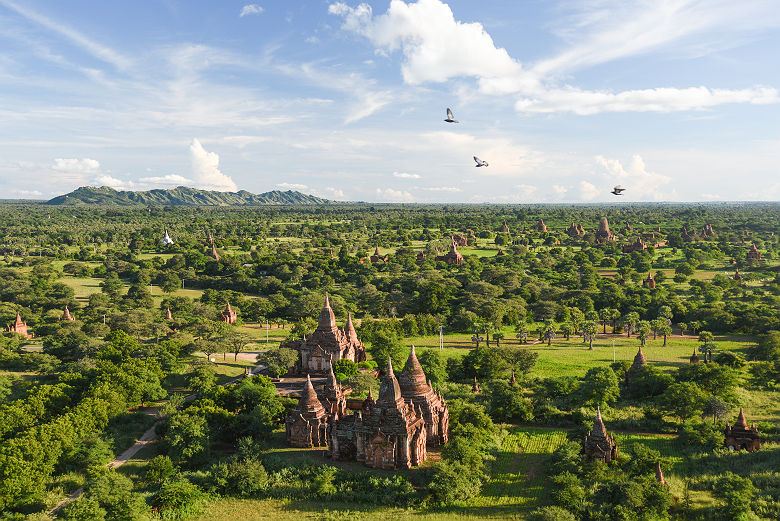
146 439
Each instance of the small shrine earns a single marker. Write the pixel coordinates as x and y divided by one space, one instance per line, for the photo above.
66 316
739 436
228 315
598 445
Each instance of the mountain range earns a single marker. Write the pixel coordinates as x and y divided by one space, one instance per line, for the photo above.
182 196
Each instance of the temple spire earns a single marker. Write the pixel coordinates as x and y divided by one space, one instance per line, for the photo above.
741 421
659 475
327 319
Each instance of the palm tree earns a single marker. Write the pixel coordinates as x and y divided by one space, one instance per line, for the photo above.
614 316
548 331
567 328
604 315
643 331
665 330
683 326
522 332
498 336
589 330
630 320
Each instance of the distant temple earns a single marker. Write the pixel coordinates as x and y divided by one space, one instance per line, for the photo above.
214 253
649 281
420 258
393 431
598 445
66 316
575 230
707 231
377 257
694 357
541 227
451 257
659 475
459 239
500 253
505 228
19 327
327 344
603 234
166 240
228 315
639 362
740 436
168 314
637 245
753 254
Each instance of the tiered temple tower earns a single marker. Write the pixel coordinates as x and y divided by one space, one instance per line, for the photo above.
306 425
598 445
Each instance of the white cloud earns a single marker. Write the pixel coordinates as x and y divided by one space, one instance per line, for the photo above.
26 192
640 184
525 191
404 175
335 192
587 102
388 194
167 180
443 189
113 182
205 170
292 186
559 190
436 46
83 165
588 191
251 9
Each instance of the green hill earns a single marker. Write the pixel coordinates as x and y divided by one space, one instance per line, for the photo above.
181 196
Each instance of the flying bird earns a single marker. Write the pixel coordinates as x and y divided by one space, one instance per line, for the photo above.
480 162
618 190
451 117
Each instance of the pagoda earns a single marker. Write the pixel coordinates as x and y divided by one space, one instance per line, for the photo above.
649 281
603 234
327 344
639 362
753 254
598 445
19 327
740 436
66 316
306 425
166 240
451 257
415 389
228 315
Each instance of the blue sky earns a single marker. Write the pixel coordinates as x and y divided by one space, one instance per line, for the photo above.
677 100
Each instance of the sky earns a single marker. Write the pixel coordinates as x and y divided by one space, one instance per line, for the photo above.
675 100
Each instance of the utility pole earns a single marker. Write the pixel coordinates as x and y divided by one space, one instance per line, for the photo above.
267 327
441 338
613 350
104 319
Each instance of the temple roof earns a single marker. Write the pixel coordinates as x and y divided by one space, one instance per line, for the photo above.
639 359
412 379
389 390
349 330
598 425
327 319
309 401
331 382
741 421
659 475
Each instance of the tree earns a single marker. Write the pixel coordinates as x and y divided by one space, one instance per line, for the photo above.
159 469
169 282
589 331
600 386
278 360
737 495
202 379
387 344
706 337
656 325
508 403
522 332
344 368
683 326
630 321
548 331
519 359
567 328
665 330
433 365
84 508
498 336
453 481
684 399
604 315
643 331
236 341
188 436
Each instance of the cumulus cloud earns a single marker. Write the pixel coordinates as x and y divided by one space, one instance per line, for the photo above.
389 194
250 9
84 165
525 191
113 182
292 186
588 191
26 193
435 46
335 192
404 175
205 170
559 190
639 182
167 180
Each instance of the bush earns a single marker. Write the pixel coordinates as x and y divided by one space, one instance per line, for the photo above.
178 499
453 482
551 513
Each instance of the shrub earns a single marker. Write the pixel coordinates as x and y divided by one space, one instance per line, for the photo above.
453 482
178 499
551 513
